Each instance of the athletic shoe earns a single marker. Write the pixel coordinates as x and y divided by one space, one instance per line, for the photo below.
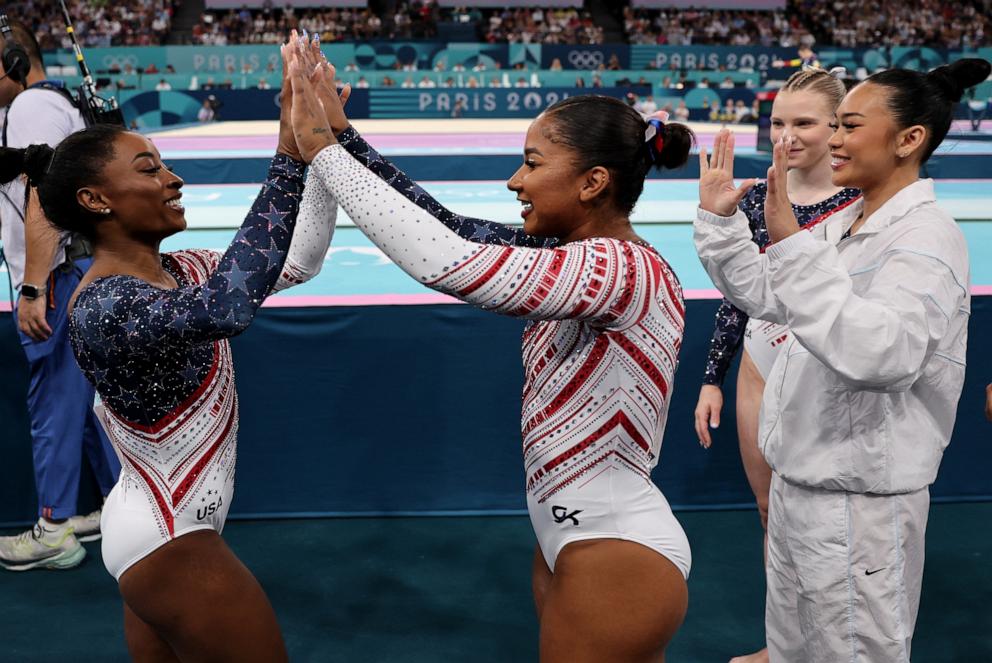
87 528
45 546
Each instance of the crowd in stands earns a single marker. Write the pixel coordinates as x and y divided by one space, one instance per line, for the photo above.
848 23
97 22
851 23
268 25
536 25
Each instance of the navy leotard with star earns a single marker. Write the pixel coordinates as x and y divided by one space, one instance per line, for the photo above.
147 349
728 332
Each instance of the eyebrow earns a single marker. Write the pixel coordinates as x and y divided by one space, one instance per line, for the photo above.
533 150
851 115
142 154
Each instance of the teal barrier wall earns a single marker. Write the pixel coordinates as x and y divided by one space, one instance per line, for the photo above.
385 55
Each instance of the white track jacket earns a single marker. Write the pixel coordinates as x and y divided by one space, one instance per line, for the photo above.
863 399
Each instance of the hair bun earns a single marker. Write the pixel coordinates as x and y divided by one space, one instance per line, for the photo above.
678 142
37 160
953 79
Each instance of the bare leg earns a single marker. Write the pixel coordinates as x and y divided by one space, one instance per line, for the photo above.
540 581
143 643
611 600
750 388
201 600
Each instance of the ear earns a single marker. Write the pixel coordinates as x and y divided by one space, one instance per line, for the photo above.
595 182
91 200
911 140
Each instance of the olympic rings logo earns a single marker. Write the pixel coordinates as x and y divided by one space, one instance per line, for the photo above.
109 61
585 59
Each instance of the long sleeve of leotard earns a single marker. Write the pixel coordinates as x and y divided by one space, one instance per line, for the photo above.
312 236
123 315
607 282
476 230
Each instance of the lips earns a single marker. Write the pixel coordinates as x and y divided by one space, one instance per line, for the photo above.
174 204
838 161
528 207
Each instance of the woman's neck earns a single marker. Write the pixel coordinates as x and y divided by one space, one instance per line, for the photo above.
131 258
811 185
876 195
616 226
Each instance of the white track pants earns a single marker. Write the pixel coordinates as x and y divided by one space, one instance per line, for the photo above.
844 574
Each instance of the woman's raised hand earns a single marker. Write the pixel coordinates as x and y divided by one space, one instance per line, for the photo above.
287 141
780 219
310 127
717 193
326 86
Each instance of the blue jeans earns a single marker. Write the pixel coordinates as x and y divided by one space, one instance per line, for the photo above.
60 406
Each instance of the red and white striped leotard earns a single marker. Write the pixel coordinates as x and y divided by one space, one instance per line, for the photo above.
599 358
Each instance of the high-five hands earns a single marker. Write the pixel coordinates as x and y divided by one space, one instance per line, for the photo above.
313 60
310 127
717 193
780 219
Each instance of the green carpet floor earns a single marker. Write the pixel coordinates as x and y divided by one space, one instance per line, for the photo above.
412 590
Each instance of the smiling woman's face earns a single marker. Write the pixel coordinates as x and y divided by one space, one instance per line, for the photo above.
141 192
863 147
547 184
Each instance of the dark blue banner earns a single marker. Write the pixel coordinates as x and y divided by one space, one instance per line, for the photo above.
480 103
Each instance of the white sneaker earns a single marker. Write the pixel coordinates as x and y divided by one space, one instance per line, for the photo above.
87 528
45 546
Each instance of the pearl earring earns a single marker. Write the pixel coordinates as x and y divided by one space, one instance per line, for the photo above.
106 210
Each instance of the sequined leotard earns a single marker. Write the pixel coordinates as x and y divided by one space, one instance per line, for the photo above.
731 323
599 357
161 362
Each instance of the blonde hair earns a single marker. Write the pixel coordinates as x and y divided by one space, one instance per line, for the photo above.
821 81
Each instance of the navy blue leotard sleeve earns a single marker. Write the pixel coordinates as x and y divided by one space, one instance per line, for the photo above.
474 230
147 348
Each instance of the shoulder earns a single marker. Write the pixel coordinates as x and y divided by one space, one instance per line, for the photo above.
39 115
43 101
195 264
929 231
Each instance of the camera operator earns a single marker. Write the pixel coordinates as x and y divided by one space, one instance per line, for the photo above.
44 266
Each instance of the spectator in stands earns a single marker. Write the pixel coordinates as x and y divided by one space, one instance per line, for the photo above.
263 84
682 111
362 82
387 82
555 65
163 86
521 82
647 106
727 83
206 112
151 69
426 82
408 83
495 82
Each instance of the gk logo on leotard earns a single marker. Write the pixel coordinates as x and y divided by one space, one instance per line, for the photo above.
561 514
210 509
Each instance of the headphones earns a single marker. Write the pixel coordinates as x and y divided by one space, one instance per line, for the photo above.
15 59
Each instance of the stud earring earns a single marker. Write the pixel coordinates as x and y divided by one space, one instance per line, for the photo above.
105 210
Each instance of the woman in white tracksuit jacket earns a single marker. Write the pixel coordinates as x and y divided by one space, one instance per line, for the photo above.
859 407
